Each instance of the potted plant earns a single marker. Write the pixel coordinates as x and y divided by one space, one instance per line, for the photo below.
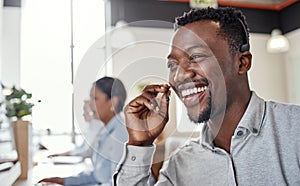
18 105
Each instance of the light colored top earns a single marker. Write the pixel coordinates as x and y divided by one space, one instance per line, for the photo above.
265 150
90 140
106 155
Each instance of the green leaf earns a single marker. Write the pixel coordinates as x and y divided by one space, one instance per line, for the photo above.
18 103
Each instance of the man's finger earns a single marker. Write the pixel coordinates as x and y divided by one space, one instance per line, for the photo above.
155 89
164 103
140 103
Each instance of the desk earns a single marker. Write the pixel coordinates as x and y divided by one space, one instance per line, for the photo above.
46 168
10 176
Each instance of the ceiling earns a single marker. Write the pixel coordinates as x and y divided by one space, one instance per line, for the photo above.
257 4
262 15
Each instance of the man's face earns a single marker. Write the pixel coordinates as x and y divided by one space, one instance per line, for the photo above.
200 64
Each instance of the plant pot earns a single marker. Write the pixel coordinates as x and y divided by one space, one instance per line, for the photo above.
23 140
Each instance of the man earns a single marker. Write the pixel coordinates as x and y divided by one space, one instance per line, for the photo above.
245 140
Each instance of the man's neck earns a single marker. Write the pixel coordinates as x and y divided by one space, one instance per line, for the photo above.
231 119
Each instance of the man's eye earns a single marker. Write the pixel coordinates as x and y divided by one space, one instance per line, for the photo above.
172 65
197 56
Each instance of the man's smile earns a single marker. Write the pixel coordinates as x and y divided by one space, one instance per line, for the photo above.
191 92
188 92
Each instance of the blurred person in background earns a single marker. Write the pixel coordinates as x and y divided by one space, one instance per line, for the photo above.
85 149
108 96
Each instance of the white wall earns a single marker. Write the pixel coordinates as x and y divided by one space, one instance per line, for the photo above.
292 62
144 62
267 74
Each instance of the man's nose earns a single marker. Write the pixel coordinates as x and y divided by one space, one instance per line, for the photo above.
183 72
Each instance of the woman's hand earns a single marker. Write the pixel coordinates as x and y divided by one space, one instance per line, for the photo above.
88 113
56 180
146 117
59 154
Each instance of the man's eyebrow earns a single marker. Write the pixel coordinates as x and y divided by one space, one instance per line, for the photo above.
203 46
197 46
192 48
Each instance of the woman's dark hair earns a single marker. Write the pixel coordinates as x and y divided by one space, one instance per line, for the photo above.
112 87
233 26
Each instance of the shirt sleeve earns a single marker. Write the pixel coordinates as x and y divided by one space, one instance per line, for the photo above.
82 179
83 150
134 166
89 139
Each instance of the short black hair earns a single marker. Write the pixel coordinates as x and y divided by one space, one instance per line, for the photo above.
230 19
112 87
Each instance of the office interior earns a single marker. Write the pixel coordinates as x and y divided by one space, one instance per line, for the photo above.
55 49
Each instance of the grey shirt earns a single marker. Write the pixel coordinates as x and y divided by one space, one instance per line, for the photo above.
265 150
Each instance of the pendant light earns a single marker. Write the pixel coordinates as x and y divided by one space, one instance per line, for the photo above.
277 42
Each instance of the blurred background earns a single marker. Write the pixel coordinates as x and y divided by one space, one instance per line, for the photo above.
56 49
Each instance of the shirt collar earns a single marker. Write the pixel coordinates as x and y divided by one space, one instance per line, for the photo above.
206 137
112 124
251 120
254 115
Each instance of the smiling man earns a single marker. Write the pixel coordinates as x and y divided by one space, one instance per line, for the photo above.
245 140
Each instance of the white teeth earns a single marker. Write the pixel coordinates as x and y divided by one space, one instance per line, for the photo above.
191 91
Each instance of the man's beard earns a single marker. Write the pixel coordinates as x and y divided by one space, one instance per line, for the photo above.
204 115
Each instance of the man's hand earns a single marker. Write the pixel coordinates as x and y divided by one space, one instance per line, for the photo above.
56 180
146 117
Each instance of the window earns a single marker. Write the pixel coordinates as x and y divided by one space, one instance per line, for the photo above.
46 55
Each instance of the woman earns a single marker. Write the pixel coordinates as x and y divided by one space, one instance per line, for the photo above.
85 150
107 100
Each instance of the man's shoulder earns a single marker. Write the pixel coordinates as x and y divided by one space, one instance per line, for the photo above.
283 117
283 108
286 105
275 106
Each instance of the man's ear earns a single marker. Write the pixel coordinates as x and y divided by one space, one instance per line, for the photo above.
245 62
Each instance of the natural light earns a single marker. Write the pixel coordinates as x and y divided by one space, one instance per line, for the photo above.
46 55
